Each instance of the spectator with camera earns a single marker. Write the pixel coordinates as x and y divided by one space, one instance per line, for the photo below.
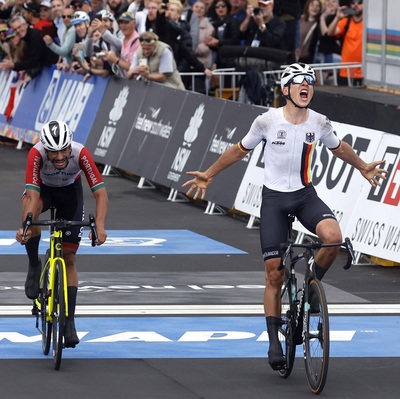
261 28
154 61
121 50
348 26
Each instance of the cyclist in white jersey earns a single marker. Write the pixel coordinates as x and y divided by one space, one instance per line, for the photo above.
290 134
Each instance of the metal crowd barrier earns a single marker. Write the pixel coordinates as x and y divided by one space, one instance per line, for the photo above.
235 76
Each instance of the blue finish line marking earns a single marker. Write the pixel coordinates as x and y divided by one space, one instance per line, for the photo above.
132 242
195 337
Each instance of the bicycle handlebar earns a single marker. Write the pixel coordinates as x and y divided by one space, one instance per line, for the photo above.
60 224
287 247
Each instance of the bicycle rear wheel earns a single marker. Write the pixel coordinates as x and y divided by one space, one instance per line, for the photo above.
46 324
286 331
58 315
316 338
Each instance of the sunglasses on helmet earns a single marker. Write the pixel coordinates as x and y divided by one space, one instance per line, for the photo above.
299 79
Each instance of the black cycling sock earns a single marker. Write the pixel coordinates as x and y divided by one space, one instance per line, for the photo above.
72 293
319 271
32 249
273 324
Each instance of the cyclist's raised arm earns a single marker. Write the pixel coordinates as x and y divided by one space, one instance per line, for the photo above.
101 197
202 180
370 171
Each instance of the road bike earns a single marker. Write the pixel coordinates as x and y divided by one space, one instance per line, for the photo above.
305 318
51 306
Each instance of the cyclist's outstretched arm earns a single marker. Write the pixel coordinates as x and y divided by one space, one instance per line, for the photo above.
370 171
101 197
202 180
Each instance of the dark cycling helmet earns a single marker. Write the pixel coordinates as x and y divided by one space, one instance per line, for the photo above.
55 136
295 69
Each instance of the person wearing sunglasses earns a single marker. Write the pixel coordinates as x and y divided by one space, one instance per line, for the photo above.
65 49
154 61
290 134
348 26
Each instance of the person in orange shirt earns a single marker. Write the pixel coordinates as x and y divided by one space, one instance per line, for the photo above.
348 25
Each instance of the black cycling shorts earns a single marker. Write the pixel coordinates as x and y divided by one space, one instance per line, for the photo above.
304 204
68 201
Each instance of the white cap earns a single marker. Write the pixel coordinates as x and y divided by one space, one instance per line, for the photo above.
45 3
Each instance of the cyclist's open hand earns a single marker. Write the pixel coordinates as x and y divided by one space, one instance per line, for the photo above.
373 174
197 185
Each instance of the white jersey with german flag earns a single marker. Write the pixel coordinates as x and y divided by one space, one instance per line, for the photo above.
289 148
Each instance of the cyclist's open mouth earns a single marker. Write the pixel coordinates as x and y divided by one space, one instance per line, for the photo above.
60 163
304 94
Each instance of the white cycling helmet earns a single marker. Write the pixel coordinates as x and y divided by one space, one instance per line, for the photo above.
293 70
55 136
79 16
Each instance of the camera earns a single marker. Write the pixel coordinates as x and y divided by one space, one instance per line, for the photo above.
256 10
349 11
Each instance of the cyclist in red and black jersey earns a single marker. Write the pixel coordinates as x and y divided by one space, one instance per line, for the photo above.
53 177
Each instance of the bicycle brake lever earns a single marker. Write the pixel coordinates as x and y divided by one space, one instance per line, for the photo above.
351 258
26 224
92 224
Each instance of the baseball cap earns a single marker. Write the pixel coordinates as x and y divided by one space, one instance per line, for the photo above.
126 16
32 7
10 34
45 3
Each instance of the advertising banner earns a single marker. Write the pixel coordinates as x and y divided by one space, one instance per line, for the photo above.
151 128
190 139
110 131
233 124
58 95
374 225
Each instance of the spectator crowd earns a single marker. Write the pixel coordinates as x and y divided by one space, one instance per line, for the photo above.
158 40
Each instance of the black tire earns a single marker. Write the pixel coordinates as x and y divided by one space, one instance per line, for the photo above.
316 338
59 315
286 331
46 324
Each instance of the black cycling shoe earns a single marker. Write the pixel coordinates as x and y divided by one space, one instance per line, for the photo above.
71 338
276 359
314 304
33 280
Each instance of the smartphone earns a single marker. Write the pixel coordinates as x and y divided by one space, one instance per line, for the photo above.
256 10
143 62
101 54
349 11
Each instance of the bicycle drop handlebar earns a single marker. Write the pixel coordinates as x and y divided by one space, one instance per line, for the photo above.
287 247
60 224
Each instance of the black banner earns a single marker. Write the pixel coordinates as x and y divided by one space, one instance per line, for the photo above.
113 123
190 140
234 122
152 129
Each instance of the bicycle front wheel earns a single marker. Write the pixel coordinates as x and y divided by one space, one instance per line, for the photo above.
46 324
59 315
316 337
287 329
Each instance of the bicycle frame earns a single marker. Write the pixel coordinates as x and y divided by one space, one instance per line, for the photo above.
56 254
52 303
